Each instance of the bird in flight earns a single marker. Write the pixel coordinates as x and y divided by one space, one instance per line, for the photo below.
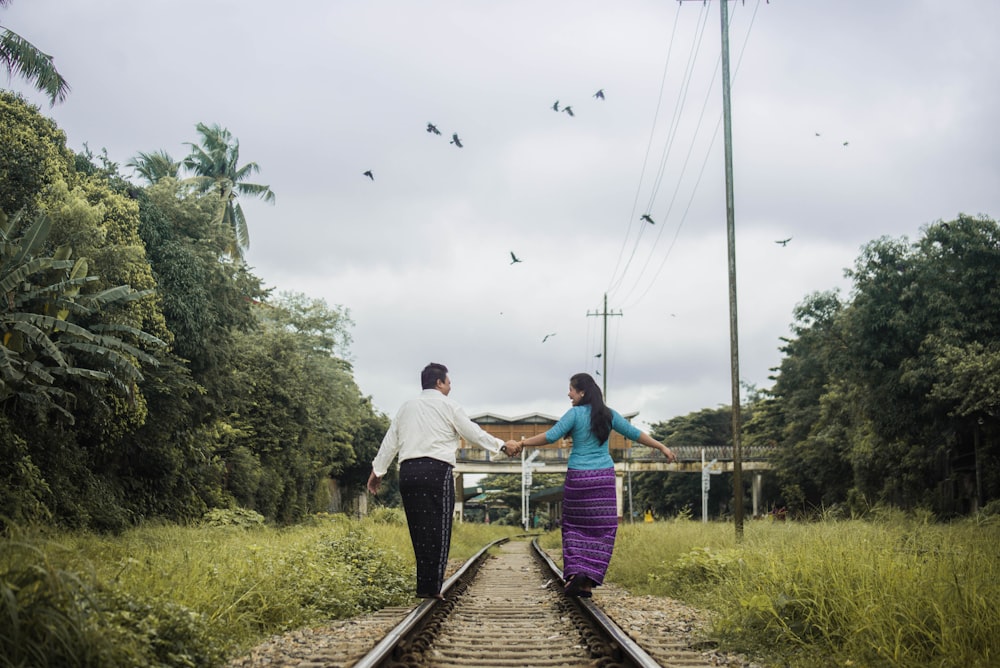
555 107
597 372
599 94
569 110
455 140
846 143
369 175
513 258
646 217
783 242
817 134
598 355
546 338
433 129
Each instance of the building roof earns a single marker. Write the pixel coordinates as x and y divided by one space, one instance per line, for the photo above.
527 418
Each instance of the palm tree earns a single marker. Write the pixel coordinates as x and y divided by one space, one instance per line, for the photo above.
154 166
20 57
215 163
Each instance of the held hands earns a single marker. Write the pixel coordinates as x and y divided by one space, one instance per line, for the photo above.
513 448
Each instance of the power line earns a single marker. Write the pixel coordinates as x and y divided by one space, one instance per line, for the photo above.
638 280
701 173
674 126
642 173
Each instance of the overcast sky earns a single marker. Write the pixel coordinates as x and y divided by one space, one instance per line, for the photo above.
851 120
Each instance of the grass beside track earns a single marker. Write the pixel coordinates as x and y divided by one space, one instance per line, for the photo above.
887 591
891 591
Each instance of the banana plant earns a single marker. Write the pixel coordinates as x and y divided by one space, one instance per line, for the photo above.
49 326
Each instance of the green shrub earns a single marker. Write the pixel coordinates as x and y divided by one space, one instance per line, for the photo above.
233 517
701 566
139 632
53 617
384 515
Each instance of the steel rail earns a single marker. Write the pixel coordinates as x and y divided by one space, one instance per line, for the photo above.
632 652
384 648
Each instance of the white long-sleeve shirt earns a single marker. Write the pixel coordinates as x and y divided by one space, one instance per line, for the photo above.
430 425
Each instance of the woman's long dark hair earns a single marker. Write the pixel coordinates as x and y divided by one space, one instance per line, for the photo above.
600 415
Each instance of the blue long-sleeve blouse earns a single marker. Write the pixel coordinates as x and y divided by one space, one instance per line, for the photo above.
588 454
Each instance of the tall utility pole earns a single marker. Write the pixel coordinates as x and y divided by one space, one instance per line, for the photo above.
604 350
604 388
734 348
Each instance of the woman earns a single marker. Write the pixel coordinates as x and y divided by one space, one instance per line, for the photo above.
590 509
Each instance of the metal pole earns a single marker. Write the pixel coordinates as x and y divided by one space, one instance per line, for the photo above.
604 346
731 239
604 352
524 494
704 492
628 468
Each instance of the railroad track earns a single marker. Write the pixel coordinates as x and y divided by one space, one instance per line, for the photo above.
505 608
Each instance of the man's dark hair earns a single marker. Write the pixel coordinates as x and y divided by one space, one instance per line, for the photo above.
431 374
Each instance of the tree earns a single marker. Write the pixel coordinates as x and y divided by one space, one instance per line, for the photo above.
914 304
154 166
33 155
41 343
672 493
215 163
22 58
808 415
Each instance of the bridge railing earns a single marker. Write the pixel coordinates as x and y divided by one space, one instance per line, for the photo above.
638 453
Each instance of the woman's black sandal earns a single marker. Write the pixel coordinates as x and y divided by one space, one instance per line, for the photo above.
575 585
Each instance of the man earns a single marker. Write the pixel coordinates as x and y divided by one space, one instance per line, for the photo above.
426 433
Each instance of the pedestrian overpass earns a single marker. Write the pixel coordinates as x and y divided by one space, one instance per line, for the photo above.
628 458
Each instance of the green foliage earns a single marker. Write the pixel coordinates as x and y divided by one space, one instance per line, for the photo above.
33 155
21 57
176 596
215 162
154 166
372 575
296 411
134 631
383 515
42 345
233 517
892 396
55 617
670 494
702 566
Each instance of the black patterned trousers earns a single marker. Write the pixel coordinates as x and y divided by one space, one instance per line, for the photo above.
428 491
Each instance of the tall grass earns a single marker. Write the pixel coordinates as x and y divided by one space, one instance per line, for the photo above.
891 592
895 591
182 596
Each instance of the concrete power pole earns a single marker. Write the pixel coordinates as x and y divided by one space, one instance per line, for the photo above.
604 349
734 349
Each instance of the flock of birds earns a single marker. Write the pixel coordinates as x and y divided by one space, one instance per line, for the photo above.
457 141
567 109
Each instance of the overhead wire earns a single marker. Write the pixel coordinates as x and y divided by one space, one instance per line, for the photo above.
701 172
611 350
649 146
697 182
671 135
